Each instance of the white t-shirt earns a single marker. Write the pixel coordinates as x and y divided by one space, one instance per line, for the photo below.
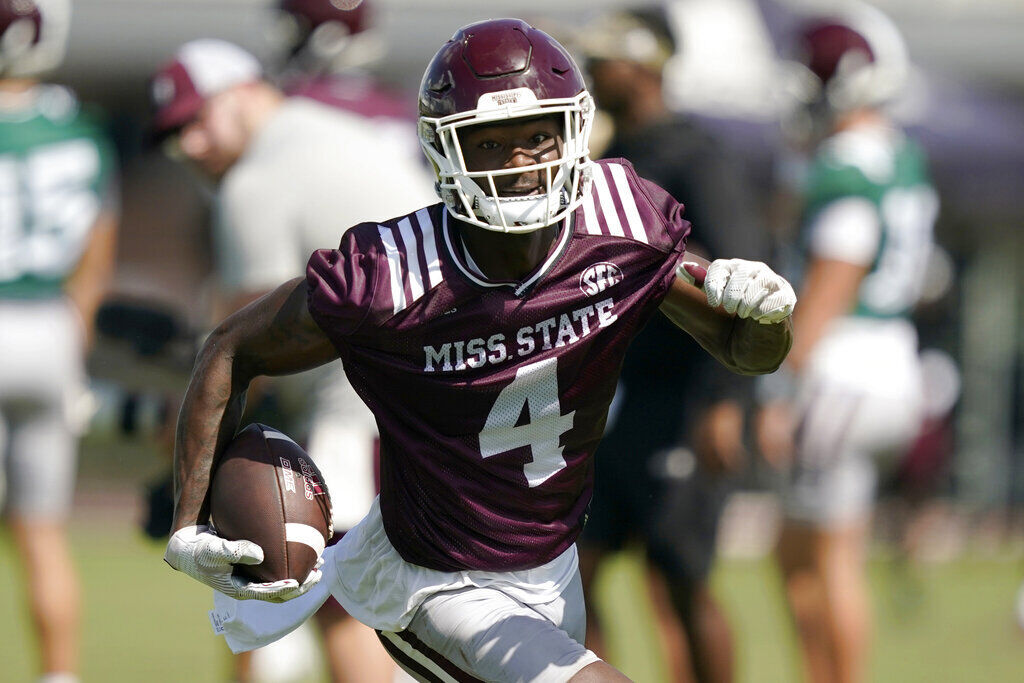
311 173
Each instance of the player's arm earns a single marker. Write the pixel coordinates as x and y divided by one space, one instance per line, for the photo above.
844 239
830 289
91 279
274 335
741 315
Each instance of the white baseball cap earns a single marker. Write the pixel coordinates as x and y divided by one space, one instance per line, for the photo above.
199 69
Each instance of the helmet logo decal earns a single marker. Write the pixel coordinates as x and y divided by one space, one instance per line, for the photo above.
600 277
503 98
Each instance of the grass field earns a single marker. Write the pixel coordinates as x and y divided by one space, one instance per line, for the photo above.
952 622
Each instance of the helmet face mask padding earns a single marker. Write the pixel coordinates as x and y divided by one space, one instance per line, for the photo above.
497 71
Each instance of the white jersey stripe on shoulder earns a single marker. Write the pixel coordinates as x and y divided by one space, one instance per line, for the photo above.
412 258
604 196
590 213
395 266
429 235
636 224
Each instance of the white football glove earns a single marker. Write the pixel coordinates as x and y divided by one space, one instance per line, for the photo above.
749 289
210 559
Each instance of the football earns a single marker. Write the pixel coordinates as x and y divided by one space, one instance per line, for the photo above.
267 490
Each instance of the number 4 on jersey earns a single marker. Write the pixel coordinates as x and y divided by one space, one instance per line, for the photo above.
535 387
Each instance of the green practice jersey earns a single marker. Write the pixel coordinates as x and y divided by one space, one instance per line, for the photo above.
56 176
869 200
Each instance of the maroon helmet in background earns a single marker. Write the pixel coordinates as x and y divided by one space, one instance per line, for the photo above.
314 13
840 62
853 59
493 71
321 36
33 36
826 44
20 23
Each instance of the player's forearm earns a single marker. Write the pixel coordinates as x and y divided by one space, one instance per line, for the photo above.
91 280
274 335
830 290
686 306
209 417
757 349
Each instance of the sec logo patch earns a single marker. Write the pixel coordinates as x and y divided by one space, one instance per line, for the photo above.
600 277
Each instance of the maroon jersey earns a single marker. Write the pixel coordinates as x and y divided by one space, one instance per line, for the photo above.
491 397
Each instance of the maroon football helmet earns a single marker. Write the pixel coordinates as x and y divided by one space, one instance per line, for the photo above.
315 13
25 11
494 71
854 59
33 35
21 26
325 37
827 43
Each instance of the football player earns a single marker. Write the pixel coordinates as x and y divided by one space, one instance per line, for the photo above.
58 221
853 390
326 53
485 332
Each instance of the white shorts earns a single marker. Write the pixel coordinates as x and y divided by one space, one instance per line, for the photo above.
42 381
859 406
483 634
342 443
437 625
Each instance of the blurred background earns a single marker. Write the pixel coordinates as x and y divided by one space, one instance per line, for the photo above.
948 554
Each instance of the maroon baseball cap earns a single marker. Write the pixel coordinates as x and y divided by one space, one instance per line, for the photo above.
198 70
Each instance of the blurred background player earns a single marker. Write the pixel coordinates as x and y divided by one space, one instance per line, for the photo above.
292 174
58 223
853 395
327 53
320 50
677 429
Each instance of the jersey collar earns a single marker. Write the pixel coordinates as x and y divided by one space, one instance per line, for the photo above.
465 264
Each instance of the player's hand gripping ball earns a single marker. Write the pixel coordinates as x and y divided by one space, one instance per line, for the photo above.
749 289
271 517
